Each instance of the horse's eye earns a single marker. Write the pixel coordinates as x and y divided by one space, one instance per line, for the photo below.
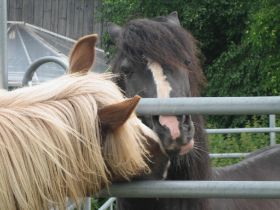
127 71
187 62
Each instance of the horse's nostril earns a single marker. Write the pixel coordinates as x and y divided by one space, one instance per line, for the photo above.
187 139
190 119
183 141
187 119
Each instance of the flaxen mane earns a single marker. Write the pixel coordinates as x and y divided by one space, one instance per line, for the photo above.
51 144
164 43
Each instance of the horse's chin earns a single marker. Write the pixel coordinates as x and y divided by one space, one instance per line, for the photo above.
176 150
186 147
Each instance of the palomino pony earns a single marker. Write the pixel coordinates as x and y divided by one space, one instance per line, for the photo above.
69 137
157 58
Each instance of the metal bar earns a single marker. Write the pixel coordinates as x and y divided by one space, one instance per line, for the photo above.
33 67
26 52
24 46
228 155
195 189
57 35
51 33
107 204
210 105
8 29
243 130
40 40
3 45
272 125
87 204
71 207
15 22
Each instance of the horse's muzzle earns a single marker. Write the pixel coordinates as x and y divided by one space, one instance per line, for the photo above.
184 142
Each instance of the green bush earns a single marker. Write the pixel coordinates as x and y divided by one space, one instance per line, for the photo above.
252 67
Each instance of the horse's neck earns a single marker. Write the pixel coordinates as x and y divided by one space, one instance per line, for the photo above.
196 164
254 168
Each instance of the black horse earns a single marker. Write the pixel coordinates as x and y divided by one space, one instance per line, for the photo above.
158 58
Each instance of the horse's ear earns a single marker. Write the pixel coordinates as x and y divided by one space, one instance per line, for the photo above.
82 55
114 31
115 115
173 18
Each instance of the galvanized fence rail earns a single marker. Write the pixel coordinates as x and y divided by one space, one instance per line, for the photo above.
210 105
192 189
195 189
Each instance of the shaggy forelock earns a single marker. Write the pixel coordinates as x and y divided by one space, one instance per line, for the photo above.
163 42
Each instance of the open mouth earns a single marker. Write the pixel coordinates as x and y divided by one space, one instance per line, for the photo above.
186 147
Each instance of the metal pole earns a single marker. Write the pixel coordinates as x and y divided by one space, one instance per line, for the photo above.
195 189
27 77
210 105
272 125
108 204
242 130
228 155
3 45
87 204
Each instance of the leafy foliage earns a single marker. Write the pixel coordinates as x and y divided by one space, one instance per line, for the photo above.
253 66
215 23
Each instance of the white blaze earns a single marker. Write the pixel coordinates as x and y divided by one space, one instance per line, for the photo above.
162 85
163 91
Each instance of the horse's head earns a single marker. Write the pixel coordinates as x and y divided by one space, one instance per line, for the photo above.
119 119
157 58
